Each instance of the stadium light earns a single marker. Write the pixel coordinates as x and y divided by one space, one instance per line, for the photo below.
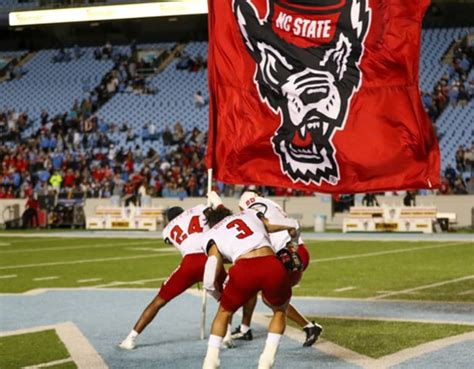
109 12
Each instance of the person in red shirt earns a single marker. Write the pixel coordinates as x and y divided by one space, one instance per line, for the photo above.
30 213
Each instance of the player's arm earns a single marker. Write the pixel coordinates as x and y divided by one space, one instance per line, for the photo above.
213 268
272 228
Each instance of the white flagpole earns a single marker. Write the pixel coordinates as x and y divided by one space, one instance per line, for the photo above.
204 293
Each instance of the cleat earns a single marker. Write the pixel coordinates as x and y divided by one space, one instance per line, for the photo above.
128 344
265 363
312 334
228 343
211 364
238 335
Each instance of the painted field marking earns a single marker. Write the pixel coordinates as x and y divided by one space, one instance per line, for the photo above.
89 280
81 351
8 276
417 351
396 251
348 288
398 320
364 361
77 247
86 261
469 292
122 283
46 278
5 244
161 249
51 363
409 290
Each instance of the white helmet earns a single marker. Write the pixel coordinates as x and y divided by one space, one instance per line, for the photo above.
247 199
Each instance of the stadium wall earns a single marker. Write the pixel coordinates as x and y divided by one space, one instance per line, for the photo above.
303 208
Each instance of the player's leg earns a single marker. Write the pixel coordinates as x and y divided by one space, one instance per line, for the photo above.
238 290
311 329
243 331
218 331
183 277
276 294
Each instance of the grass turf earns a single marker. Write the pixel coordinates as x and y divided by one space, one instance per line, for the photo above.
369 267
32 349
376 338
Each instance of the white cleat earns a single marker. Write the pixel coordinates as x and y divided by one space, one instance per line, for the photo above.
265 363
128 344
211 364
228 343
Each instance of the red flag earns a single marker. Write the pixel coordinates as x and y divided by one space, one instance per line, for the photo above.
320 95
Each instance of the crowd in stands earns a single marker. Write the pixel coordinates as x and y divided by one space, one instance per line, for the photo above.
74 160
453 88
189 63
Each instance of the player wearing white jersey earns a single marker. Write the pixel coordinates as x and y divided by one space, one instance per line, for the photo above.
184 231
280 241
243 239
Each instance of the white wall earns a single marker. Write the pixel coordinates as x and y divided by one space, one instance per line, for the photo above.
306 207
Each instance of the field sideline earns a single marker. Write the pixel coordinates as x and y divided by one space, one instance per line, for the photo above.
411 293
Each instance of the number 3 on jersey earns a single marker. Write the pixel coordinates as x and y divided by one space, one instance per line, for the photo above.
178 235
244 230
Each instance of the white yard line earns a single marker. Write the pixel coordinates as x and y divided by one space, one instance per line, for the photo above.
77 247
3 244
409 290
22 266
348 288
154 249
89 280
417 351
387 252
469 292
46 278
81 351
367 362
327 347
398 320
122 283
8 276
51 363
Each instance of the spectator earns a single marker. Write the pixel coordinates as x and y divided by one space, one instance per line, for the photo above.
30 215
199 100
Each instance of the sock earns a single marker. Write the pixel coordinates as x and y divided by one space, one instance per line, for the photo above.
309 325
214 341
132 335
213 349
228 334
244 328
271 348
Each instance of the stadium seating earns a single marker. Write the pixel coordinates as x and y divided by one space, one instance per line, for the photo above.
15 4
53 86
172 103
455 126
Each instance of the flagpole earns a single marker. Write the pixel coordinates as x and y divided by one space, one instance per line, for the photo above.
204 294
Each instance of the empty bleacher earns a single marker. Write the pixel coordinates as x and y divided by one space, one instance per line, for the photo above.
52 86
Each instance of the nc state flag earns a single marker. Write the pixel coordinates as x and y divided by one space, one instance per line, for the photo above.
320 95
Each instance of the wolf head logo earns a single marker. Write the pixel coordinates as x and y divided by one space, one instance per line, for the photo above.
307 56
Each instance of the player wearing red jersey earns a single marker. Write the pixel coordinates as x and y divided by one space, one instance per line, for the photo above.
243 239
184 231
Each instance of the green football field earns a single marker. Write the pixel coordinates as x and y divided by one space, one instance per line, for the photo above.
368 269
372 270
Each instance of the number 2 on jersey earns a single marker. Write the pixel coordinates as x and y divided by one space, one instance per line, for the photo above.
244 230
178 235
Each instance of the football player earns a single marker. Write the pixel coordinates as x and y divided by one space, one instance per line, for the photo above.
282 244
243 239
184 231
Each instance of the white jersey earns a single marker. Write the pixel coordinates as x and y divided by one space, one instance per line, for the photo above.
275 215
185 231
239 234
